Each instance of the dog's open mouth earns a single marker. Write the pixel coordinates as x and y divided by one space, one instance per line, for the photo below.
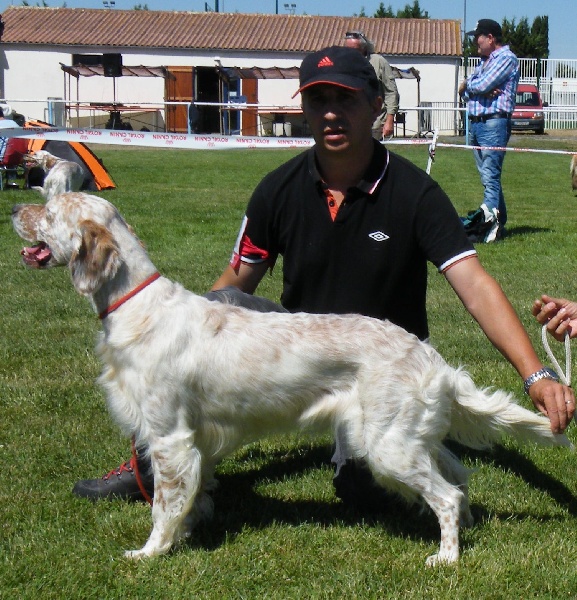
36 256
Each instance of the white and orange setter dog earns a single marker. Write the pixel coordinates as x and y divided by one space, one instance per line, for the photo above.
574 172
61 175
193 379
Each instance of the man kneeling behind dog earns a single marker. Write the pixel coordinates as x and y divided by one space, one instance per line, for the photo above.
355 225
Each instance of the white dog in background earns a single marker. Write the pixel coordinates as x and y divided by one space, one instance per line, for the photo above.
193 380
61 175
574 172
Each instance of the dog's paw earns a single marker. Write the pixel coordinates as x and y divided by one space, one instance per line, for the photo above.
135 554
150 549
439 559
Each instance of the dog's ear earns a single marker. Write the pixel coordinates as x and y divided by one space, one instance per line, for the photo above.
96 260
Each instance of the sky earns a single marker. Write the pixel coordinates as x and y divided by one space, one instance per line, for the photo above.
561 13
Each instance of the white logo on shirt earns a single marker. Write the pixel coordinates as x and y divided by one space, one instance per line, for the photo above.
379 236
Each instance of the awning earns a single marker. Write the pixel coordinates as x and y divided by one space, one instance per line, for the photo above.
260 72
293 73
410 73
98 70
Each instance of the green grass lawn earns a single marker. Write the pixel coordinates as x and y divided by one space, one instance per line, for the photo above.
278 530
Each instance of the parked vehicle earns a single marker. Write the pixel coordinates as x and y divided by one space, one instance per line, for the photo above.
528 114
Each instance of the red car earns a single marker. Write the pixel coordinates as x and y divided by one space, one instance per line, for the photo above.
528 114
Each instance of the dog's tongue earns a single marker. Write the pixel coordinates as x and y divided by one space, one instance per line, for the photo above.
37 255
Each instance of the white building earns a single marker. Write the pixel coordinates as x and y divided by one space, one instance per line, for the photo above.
94 67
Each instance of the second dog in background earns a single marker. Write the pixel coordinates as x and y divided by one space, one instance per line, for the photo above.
61 175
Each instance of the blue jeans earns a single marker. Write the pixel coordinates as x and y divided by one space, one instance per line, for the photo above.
495 133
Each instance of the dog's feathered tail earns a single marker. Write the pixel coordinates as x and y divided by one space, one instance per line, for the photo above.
481 417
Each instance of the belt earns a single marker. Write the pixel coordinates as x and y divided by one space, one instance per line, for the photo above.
483 118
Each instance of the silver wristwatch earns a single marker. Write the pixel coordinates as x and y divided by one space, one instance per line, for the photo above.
544 373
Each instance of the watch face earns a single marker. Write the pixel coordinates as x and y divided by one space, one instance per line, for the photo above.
544 373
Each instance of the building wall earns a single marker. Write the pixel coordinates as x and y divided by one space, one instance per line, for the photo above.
24 65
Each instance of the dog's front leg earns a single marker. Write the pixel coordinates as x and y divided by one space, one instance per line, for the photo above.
176 465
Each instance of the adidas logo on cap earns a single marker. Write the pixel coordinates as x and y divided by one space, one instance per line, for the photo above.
326 62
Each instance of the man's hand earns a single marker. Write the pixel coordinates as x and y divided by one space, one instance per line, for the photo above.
559 314
389 126
555 401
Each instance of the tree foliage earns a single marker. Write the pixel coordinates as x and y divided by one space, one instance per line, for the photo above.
384 13
525 41
409 12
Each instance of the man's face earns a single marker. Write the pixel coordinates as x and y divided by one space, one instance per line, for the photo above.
339 118
485 44
354 43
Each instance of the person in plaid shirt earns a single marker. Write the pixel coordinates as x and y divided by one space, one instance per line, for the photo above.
490 96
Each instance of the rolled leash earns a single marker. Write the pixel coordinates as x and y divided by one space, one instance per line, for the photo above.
564 376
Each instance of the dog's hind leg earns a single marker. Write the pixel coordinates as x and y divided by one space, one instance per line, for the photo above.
446 501
457 474
411 470
177 481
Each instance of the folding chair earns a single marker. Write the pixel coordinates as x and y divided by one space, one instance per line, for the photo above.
12 165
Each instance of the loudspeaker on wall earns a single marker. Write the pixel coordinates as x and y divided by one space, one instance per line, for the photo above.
112 65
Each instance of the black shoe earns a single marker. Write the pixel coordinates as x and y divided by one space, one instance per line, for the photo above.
355 486
119 483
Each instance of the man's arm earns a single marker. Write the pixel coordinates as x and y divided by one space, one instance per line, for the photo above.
390 97
246 277
486 302
495 75
391 92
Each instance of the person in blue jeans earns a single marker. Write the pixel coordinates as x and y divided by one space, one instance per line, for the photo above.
490 96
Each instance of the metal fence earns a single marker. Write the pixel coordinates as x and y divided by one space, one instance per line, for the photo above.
439 116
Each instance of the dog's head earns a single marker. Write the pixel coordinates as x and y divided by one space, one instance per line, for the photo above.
73 229
42 159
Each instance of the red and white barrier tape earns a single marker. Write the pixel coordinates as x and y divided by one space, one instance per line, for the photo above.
156 140
216 142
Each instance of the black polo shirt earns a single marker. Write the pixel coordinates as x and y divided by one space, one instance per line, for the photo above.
372 259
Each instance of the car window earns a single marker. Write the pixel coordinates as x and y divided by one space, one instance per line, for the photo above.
527 99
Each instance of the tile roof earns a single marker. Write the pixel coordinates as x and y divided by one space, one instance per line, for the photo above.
226 31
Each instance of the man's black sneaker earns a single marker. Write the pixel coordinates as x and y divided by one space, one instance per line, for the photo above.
120 482
355 486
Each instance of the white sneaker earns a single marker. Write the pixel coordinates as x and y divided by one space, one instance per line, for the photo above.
491 216
493 234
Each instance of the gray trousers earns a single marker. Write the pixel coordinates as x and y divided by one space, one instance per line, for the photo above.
232 295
